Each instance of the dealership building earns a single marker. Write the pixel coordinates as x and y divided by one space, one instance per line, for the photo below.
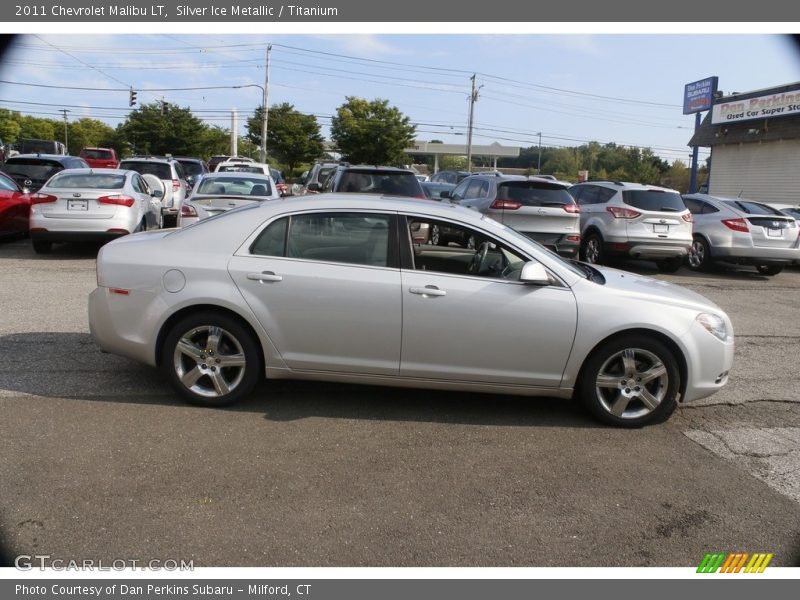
755 145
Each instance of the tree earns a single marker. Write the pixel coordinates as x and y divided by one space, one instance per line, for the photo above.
176 131
293 138
372 132
89 133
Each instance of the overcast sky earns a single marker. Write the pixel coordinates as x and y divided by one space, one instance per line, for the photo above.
572 87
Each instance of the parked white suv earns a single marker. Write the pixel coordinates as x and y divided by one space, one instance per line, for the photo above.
632 220
172 175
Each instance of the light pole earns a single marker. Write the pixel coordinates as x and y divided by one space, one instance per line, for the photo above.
66 134
264 98
539 163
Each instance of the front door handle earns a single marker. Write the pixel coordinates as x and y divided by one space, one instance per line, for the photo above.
264 276
428 290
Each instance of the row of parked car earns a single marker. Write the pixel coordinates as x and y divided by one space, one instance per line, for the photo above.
77 198
597 221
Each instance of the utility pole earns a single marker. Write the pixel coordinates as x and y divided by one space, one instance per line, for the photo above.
266 107
234 134
473 96
539 163
66 134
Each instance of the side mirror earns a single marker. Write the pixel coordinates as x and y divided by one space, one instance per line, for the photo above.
534 273
445 194
157 193
314 187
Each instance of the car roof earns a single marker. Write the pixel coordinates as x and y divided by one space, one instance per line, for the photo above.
217 174
628 185
159 159
376 168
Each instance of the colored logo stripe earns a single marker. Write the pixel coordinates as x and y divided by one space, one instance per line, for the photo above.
734 563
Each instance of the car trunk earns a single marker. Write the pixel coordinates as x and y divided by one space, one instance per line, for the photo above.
536 207
72 204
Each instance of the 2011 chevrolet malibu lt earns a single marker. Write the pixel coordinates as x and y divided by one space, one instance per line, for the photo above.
339 290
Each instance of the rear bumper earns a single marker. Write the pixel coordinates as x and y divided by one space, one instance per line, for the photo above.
75 236
653 250
557 243
756 255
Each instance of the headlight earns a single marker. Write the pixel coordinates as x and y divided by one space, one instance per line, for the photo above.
714 325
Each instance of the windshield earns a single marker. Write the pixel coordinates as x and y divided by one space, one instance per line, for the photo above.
191 167
32 168
376 182
235 185
160 170
522 240
534 193
95 181
654 200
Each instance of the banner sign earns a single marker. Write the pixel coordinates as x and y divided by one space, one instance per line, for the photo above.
699 95
760 107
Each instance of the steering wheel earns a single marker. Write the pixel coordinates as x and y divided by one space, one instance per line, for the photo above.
476 266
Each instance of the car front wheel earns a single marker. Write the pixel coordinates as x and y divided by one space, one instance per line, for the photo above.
211 359
592 250
630 381
699 257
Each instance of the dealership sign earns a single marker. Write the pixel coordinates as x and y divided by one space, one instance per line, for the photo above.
699 95
762 107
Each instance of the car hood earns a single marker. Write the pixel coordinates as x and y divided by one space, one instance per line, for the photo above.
655 290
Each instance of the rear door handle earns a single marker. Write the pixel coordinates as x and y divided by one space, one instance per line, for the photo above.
264 276
428 290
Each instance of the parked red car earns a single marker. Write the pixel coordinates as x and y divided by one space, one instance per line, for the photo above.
15 208
100 158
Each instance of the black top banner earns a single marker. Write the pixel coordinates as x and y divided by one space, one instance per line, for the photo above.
408 11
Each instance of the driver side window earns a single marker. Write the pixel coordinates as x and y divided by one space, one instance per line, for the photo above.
447 248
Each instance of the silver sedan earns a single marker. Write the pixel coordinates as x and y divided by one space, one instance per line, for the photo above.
740 231
92 205
219 192
336 290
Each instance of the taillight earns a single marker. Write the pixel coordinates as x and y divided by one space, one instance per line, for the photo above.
505 205
188 211
687 217
573 238
118 199
176 185
422 197
572 208
42 198
623 213
736 225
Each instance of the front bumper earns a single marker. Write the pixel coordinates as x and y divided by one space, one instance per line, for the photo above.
709 362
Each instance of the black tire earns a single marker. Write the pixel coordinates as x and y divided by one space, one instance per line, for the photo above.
42 247
656 400
769 270
234 343
592 249
670 265
699 258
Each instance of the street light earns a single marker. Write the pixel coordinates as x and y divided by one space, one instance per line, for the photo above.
263 120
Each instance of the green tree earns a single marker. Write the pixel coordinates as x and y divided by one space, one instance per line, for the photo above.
89 133
151 130
372 132
40 129
9 125
293 138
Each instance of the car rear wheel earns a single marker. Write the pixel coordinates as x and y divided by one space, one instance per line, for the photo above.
211 359
631 381
42 247
592 249
699 257
671 265
769 270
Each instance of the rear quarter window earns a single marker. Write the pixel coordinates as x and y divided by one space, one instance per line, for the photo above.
654 200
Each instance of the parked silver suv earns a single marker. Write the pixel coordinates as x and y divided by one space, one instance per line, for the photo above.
541 209
172 175
632 220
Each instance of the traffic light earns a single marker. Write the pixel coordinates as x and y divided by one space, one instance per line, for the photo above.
132 100
164 107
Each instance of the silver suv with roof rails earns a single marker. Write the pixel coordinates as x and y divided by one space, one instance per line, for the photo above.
171 174
633 220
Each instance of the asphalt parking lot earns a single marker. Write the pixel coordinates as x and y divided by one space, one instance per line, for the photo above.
100 460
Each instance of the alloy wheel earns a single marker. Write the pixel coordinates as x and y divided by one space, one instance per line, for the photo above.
631 383
209 361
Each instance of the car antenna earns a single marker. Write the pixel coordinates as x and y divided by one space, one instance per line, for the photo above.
740 193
